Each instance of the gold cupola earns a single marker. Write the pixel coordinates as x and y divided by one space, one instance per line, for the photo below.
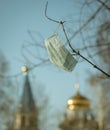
78 101
78 115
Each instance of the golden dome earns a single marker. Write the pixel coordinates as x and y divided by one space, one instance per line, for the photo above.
78 101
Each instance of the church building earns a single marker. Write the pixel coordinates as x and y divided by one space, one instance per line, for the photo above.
79 115
26 116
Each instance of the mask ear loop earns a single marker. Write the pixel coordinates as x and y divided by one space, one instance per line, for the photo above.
77 57
57 29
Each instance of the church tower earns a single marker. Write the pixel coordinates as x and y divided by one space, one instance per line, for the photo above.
78 115
26 117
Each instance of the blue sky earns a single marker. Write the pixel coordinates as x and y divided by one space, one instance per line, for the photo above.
16 18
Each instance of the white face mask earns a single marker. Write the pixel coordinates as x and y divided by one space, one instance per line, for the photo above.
58 54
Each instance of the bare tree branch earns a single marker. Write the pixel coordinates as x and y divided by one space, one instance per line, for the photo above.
108 8
87 22
68 41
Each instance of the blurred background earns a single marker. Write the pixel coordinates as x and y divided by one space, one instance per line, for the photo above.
23 30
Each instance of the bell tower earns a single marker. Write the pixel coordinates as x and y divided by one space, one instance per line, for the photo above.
26 117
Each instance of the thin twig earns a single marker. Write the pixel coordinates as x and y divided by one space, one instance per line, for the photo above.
47 16
81 34
30 69
87 22
108 8
95 46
